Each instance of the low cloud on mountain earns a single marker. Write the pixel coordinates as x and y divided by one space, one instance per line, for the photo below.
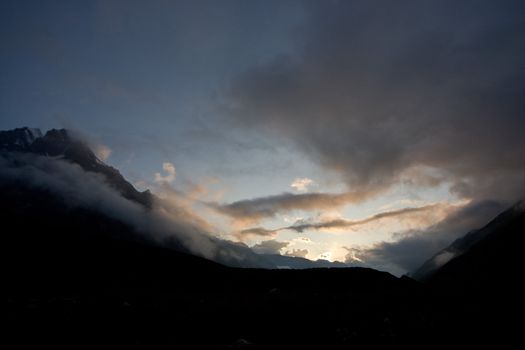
410 249
169 218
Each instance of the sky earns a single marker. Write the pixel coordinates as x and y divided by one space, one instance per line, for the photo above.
367 132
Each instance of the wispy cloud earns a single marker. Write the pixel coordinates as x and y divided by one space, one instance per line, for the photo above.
169 169
256 209
344 224
257 231
170 220
409 249
302 184
420 215
102 151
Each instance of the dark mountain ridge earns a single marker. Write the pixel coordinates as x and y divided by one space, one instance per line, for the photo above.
75 276
61 143
293 262
492 259
465 243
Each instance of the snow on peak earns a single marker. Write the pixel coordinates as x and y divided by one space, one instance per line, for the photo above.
31 134
18 139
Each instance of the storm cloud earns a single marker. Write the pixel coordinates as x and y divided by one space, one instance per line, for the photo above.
256 209
378 101
419 92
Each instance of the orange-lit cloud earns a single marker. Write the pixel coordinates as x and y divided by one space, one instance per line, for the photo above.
418 216
409 249
302 184
169 169
102 151
404 213
400 104
251 211
257 231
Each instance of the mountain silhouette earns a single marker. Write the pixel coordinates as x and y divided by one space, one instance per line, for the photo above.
497 229
61 143
76 276
478 293
492 259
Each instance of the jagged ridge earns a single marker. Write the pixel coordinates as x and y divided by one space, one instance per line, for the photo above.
64 143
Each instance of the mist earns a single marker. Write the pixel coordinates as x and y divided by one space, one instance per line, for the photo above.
165 222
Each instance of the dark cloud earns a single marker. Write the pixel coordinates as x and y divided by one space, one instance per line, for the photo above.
414 91
269 247
305 225
418 93
253 210
410 249
343 223
257 231
298 253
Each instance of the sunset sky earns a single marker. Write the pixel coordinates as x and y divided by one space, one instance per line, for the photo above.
367 132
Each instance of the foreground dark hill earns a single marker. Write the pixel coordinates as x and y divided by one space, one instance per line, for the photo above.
481 288
497 227
75 276
492 261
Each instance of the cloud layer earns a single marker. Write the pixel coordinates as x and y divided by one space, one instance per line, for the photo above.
302 184
256 209
171 220
347 224
169 169
421 92
410 249
385 94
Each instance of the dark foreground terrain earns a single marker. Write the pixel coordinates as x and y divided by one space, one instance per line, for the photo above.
74 277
